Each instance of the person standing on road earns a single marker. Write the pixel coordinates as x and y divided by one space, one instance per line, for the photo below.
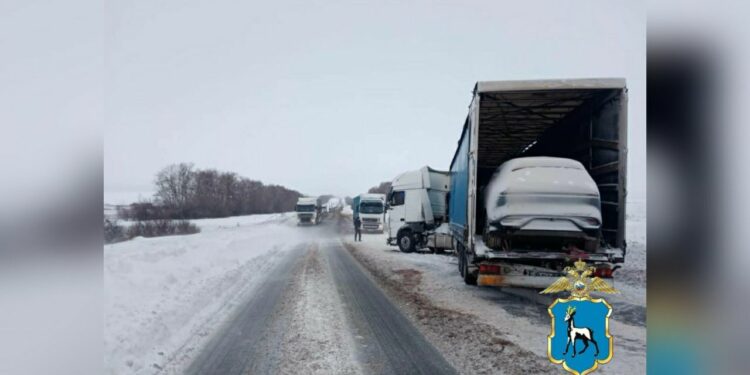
357 231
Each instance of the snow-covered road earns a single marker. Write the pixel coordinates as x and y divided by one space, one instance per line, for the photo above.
290 301
258 294
318 313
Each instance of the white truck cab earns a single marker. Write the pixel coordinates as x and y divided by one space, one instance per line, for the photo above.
370 209
307 211
417 207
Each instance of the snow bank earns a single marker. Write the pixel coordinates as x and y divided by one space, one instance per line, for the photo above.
166 295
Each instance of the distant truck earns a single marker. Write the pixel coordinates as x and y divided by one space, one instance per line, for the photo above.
308 211
574 204
370 208
418 211
334 204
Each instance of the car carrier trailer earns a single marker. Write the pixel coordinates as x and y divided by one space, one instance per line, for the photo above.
580 119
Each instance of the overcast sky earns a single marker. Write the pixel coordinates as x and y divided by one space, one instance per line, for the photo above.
331 97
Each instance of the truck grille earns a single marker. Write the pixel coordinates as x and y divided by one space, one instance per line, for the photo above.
369 220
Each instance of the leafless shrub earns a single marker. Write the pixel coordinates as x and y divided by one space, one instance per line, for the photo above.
162 227
144 210
113 231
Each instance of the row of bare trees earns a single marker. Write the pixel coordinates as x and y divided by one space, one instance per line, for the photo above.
383 188
183 192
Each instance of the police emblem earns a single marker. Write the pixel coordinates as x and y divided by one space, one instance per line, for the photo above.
580 338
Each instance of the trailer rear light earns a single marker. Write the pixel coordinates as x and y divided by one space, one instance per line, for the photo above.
604 272
489 269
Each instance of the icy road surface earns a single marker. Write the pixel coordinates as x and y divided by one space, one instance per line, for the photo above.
258 294
298 322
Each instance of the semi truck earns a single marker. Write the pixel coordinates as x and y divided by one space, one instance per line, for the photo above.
418 211
370 208
333 205
308 211
576 124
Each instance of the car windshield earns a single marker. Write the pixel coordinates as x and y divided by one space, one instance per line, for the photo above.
305 208
371 207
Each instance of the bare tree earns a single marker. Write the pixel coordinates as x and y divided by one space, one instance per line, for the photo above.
175 187
383 188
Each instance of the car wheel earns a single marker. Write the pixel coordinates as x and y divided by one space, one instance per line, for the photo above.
405 242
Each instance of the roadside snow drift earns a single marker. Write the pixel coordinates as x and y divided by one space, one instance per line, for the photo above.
166 295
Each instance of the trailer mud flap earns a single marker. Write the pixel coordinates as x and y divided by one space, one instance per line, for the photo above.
505 274
540 282
491 280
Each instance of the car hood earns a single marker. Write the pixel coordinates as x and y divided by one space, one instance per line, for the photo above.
543 180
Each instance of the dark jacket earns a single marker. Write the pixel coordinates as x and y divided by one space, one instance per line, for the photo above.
357 223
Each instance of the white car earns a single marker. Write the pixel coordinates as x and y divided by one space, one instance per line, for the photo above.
542 203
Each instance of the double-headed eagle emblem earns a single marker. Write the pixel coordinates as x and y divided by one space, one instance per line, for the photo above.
579 283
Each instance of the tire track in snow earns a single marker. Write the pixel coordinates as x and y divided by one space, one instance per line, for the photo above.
304 317
388 343
243 342
318 338
293 323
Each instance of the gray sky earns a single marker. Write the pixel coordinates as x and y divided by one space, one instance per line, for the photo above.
330 97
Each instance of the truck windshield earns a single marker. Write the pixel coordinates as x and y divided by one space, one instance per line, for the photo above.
371 207
305 208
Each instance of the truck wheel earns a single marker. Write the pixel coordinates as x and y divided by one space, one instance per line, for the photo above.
405 242
470 278
460 257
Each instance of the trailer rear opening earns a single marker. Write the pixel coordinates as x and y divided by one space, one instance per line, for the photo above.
580 119
585 122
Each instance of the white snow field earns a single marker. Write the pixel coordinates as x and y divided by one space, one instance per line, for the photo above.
165 296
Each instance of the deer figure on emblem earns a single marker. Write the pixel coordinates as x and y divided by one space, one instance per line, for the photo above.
578 333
